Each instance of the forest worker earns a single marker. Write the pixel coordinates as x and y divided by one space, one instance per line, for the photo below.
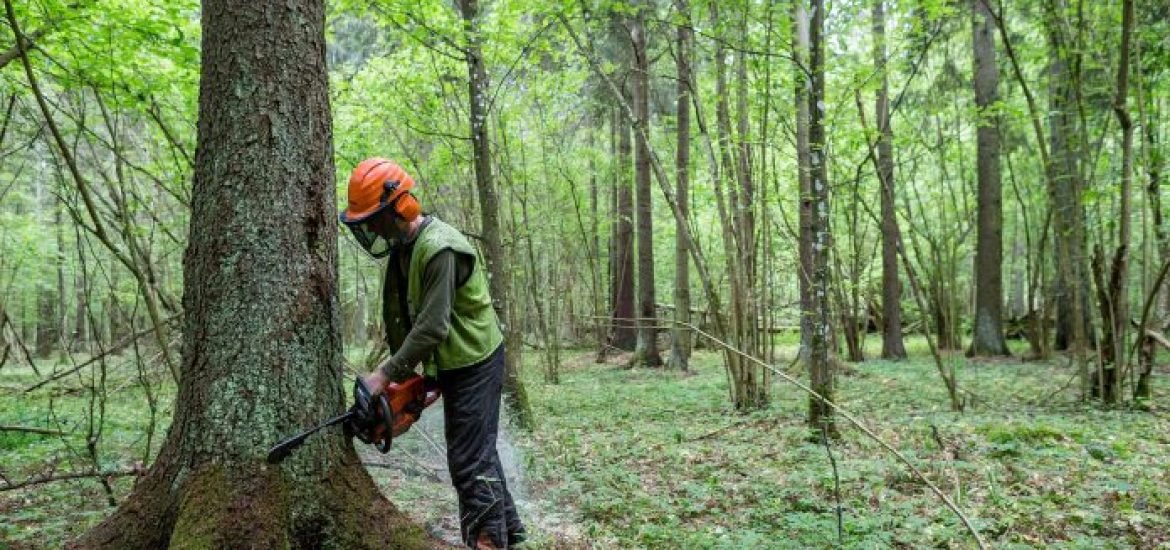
437 312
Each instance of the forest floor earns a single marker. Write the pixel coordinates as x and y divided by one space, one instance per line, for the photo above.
624 458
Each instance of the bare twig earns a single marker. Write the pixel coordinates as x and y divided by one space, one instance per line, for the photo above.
50 478
112 349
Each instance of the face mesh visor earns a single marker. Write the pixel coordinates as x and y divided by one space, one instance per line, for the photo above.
376 245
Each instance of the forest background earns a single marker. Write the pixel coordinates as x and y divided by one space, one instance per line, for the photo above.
903 206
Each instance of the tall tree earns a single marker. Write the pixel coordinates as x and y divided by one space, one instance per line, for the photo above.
892 345
820 415
647 348
745 197
680 349
800 47
1071 288
987 338
1117 317
489 208
261 349
625 334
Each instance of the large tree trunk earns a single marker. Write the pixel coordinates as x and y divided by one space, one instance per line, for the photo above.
489 211
987 338
892 344
261 351
820 415
647 347
680 348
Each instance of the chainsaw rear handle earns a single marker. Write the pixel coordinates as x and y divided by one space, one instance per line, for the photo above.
406 401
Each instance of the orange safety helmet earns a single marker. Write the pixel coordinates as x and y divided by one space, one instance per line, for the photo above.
375 184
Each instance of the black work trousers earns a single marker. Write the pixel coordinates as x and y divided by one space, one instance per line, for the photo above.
471 414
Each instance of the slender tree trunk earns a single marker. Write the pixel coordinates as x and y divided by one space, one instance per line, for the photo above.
820 415
62 306
1071 294
1147 107
987 338
892 344
800 48
489 210
748 392
647 347
625 335
745 209
1118 283
680 349
83 332
46 323
261 352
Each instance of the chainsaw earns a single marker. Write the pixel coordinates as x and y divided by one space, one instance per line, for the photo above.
375 420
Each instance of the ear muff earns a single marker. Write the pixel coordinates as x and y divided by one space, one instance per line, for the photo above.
407 207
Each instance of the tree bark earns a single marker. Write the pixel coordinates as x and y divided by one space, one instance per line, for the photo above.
749 390
646 353
987 339
261 351
820 415
625 335
489 210
805 238
892 345
745 207
680 349
1071 289
1118 318
46 322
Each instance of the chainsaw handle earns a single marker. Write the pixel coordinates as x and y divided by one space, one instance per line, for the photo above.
388 418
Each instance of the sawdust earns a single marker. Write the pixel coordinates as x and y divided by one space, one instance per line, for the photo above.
414 476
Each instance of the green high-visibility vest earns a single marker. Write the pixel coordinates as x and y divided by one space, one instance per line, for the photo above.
475 330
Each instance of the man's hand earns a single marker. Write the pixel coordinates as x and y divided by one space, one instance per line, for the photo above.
376 382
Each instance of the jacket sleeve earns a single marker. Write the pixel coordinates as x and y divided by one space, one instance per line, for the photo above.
434 315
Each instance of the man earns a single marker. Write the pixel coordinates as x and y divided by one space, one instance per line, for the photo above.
437 311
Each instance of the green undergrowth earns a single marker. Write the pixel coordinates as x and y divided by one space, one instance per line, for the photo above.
645 458
658 459
46 515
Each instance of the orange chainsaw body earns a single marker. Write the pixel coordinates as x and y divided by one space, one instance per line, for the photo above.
407 400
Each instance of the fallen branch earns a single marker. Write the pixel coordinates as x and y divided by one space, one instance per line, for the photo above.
31 430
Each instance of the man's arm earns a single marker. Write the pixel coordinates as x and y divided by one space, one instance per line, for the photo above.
433 321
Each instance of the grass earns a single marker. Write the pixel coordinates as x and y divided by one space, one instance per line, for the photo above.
657 459
640 458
